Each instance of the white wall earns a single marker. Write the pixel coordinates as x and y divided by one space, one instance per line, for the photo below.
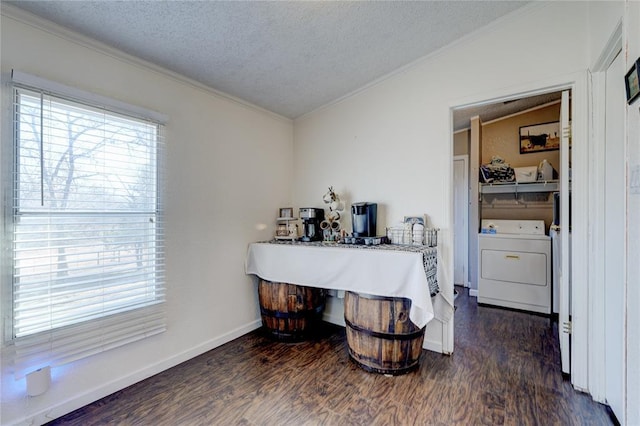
229 169
392 143
603 18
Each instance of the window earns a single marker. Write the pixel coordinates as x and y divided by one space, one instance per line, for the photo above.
88 257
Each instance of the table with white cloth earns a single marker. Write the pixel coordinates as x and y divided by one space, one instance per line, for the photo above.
387 270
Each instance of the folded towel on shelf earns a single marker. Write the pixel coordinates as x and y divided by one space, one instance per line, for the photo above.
497 171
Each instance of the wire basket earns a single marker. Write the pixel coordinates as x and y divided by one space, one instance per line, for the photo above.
404 235
396 235
431 237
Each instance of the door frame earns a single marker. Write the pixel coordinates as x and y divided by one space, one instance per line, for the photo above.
465 227
578 83
597 279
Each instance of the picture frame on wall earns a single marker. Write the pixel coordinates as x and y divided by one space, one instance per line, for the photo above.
540 137
632 82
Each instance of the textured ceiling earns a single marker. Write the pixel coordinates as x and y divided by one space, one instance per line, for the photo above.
287 57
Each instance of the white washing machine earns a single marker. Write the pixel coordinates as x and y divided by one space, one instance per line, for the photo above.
514 262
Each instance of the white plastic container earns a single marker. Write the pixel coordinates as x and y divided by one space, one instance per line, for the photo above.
545 171
526 174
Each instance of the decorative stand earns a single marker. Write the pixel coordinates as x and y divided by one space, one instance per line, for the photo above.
331 227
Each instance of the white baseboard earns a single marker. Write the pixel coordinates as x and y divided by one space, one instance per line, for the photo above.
91 395
473 292
334 311
334 319
432 345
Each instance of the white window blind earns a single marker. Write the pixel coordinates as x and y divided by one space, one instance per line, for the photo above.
88 253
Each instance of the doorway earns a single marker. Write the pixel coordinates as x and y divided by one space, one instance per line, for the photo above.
491 132
486 123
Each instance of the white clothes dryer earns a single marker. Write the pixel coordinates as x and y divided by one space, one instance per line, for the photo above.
514 262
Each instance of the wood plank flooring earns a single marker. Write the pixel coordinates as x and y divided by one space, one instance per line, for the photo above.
505 370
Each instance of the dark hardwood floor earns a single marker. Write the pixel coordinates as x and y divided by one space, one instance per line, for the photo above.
505 370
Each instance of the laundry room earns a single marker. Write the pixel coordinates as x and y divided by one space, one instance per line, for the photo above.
501 149
501 154
514 163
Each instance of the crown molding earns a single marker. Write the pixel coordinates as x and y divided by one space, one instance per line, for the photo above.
34 21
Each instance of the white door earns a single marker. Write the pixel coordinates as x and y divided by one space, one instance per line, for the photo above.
461 220
565 240
614 236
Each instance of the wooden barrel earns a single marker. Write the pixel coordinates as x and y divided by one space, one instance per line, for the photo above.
290 312
380 336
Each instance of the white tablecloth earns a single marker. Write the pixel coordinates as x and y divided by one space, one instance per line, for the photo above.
390 273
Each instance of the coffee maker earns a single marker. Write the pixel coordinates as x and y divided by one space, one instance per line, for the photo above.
363 219
311 218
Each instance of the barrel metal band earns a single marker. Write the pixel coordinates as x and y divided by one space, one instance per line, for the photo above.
375 297
292 315
387 336
373 365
